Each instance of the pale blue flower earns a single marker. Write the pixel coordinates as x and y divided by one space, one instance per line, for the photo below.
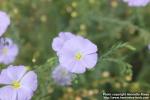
61 76
78 54
8 51
17 83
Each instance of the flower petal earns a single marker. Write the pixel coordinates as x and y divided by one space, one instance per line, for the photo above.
30 80
57 43
77 68
24 93
16 72
8 93
4 77
89 61
72 46
4 22
89 47
137 3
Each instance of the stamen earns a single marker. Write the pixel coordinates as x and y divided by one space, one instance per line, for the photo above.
16 85
78 56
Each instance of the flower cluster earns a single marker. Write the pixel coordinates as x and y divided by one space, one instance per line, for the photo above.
8 49
18 83
76 54
137 3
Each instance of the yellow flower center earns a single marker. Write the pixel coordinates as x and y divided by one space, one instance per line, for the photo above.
16 85
78 56
4 51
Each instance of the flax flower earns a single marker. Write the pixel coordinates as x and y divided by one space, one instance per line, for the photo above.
17 83
78 54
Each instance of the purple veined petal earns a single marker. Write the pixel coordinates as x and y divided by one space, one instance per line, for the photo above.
66 58
59 41
78 68
5 19
71 46
8 58
13 50
79 44
57 44
8 93
16 72
89 47
30 77
4 22
89 61
4 77
24 93
67 52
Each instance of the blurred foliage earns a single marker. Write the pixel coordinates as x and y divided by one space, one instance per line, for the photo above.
120 32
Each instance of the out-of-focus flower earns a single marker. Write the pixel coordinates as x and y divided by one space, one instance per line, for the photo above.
137 3
59 41
61 76
18 83
8 51
77 54
4 22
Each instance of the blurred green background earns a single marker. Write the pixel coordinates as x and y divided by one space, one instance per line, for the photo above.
121 33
